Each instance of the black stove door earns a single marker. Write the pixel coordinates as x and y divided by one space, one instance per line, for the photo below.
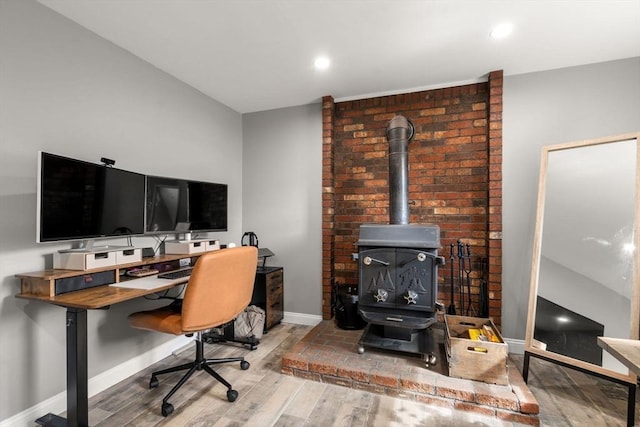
377 281
416 279
398 278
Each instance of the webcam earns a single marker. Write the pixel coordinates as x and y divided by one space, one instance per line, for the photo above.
107 162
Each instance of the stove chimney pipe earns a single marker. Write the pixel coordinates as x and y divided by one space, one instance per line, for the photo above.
399 132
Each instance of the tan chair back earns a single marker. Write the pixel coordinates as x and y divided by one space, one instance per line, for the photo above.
220 288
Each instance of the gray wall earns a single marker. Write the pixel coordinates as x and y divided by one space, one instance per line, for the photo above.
282 195
67 91
546 108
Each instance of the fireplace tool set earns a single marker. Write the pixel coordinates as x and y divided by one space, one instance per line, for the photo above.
462 253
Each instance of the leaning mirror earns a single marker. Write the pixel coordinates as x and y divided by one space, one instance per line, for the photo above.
584 283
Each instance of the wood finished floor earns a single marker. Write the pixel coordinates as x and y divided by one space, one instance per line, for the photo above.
268 398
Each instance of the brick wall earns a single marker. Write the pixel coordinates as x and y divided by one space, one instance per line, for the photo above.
455 176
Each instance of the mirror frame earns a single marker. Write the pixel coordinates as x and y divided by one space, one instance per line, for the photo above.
530 346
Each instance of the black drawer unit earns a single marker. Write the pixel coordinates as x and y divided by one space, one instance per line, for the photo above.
268 294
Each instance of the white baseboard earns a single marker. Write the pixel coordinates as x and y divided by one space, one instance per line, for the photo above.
301 318
58 403
515 346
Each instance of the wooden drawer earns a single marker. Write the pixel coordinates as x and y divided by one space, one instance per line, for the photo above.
274 305
471 359
275 302
274 291
274 278
268 294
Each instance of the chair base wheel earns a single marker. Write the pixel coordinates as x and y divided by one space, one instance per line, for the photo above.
244 365
232 395
167 409
154 382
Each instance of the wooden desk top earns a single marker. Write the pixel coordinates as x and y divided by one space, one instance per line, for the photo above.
55 273
627 351
38 285
100 296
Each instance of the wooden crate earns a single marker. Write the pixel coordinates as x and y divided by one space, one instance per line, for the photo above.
471 359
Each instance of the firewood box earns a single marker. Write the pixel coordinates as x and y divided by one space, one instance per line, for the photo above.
470 356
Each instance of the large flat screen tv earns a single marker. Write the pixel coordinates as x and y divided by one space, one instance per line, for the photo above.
166 205
567 332
78 200
207 208
176 205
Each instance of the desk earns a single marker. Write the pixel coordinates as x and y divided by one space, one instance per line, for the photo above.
77 303
625 350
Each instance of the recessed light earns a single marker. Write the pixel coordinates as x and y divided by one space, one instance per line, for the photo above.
501 31
322 63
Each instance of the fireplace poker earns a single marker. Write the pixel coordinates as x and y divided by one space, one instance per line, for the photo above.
484 297
467 272
460 273
452 304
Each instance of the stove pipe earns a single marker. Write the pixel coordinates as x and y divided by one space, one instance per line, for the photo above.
399 132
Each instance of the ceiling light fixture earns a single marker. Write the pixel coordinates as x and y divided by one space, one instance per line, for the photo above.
322 63
501 31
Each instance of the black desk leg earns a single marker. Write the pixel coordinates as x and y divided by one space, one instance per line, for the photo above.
631 406
77 378
525 367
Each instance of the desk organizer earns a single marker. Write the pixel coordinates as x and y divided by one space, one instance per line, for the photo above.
212 245
83 260
126 256
179 247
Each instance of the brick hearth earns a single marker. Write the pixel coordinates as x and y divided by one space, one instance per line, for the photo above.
329 354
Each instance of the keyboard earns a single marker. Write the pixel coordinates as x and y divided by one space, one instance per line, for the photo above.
142 272
148 283
176 274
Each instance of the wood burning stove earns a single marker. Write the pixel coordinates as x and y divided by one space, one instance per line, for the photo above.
398 266
398 286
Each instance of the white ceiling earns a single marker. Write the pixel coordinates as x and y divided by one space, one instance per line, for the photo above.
255 55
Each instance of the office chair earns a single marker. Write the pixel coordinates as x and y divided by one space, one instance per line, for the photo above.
218 290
